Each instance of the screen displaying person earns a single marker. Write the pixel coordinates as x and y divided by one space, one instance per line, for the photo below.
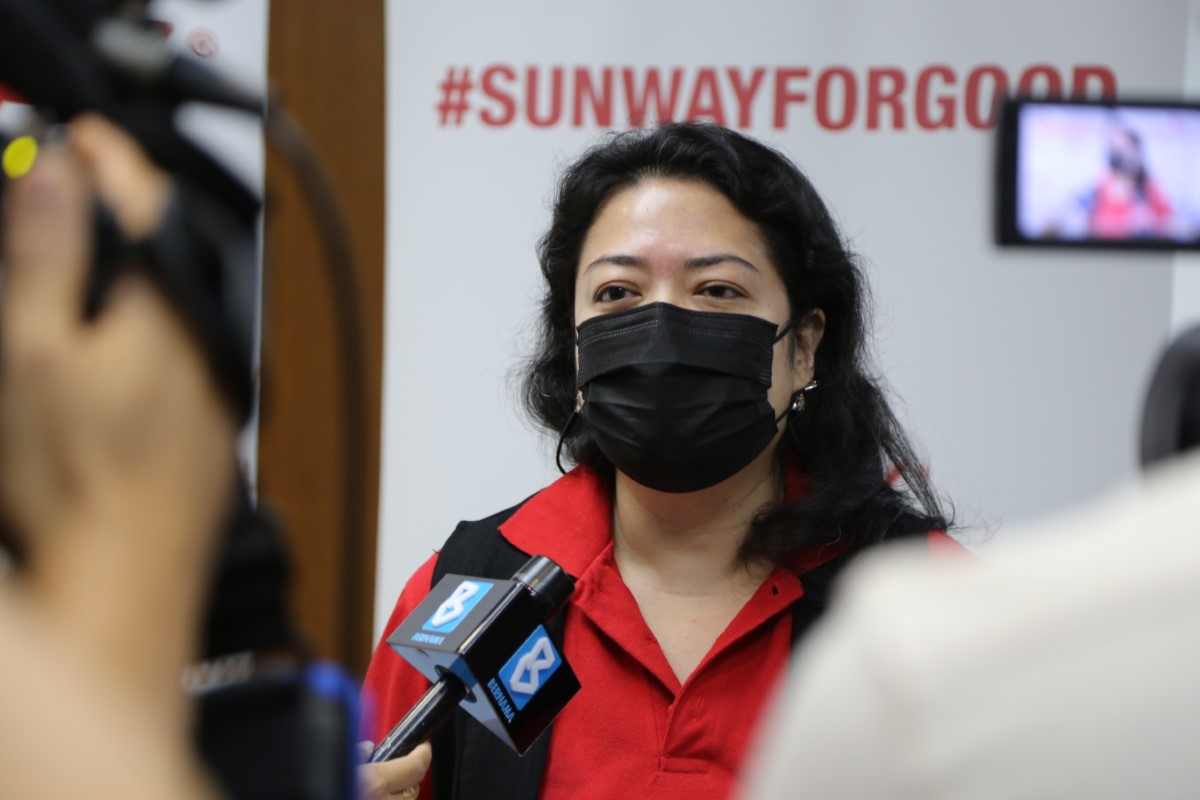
1127 203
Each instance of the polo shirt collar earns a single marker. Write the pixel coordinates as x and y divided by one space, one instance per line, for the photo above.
570 522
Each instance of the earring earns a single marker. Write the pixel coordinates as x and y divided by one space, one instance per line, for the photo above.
798 398
562 437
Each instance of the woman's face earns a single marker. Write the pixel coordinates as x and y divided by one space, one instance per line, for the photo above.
682 242
1125 153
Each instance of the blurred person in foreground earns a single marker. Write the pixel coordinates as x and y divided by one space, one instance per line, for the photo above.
117 465
1065 668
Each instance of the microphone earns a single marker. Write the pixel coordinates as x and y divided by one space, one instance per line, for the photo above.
482 644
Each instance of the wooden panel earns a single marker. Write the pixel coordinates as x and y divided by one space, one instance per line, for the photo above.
327 63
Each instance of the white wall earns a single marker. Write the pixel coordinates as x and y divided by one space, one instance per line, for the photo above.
1185 290
1020 372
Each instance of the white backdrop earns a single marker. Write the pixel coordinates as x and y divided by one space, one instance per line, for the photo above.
1021 373
1185 289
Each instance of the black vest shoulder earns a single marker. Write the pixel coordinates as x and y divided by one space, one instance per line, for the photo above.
470 762
478 549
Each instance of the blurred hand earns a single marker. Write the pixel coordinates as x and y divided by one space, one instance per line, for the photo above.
111 424
116 450
391 779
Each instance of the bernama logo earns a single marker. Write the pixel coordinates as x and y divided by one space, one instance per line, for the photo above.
456 607
530 667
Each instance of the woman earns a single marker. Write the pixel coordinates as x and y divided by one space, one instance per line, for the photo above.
1127 203
702 359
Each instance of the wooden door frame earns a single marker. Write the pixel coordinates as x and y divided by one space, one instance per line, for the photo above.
326 61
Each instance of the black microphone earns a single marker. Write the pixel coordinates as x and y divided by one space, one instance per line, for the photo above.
483 644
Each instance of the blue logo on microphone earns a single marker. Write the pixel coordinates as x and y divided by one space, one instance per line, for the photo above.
530 667
457 606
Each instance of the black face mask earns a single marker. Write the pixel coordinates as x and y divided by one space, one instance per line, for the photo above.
1125 163
677 399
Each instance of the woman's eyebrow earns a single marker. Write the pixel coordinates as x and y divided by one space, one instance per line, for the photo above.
619 260
691 263
718 258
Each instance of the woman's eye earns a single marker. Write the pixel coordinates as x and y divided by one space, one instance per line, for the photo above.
612 294
721 291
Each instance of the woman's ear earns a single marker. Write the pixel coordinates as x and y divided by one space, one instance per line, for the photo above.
808 338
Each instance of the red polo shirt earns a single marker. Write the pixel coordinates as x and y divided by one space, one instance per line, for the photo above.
633 730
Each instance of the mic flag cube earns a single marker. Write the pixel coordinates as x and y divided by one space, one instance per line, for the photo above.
490 634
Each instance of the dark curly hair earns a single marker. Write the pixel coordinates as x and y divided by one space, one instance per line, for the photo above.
847 439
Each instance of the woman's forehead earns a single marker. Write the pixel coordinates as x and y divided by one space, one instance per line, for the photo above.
671 215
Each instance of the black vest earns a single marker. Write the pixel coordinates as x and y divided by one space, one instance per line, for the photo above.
469 763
